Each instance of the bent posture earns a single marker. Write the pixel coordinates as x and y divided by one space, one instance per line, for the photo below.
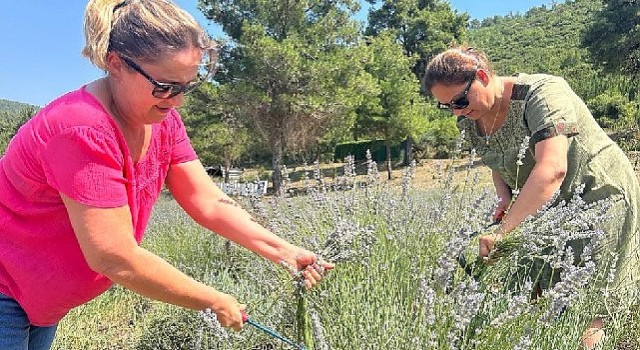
566 149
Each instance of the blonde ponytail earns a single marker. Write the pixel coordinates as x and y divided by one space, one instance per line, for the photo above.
98 20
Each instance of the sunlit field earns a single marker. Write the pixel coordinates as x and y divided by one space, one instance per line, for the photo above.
399 283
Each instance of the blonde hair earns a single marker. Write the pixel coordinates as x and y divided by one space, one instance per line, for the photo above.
147 30
456 65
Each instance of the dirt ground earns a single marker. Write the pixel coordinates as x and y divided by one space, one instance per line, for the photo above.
427 173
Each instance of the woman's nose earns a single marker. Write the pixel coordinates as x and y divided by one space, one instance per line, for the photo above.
177 100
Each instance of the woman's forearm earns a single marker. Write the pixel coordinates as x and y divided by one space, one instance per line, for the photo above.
210 207
228 219
539 188
544 180
105 236
149 275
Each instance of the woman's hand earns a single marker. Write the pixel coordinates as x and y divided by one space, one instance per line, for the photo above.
501 209
228 311
310 267
487 243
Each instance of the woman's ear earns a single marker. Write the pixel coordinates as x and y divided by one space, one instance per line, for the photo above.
483 76
115 65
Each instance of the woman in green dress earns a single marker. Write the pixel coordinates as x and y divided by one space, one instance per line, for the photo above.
567 148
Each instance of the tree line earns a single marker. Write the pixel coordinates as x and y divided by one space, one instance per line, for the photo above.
295 79
12 116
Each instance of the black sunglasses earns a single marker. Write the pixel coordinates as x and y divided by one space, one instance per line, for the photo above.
163 90
460 102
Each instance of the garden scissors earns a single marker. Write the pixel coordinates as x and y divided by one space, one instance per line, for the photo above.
271 332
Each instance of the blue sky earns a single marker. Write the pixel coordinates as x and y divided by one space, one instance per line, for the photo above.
40 43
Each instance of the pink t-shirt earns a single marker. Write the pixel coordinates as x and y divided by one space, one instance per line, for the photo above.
72 146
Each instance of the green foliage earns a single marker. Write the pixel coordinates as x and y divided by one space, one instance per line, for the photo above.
419 29
614 111
550 40
397 111
423 28
358 149
544 40
439 140
613 37
295 68
14 107
210 115
10 122
301 78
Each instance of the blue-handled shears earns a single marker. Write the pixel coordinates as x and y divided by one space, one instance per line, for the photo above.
271 332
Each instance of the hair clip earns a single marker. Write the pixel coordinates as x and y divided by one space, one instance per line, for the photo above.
118 6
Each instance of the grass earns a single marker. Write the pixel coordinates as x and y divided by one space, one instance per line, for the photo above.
397 284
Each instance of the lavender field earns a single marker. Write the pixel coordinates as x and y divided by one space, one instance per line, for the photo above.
399 282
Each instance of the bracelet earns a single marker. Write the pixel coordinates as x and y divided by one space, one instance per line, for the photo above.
502 231
500 234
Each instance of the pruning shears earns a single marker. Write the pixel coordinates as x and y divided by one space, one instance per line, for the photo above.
271 332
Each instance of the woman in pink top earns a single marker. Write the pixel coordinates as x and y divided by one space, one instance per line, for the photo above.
79 180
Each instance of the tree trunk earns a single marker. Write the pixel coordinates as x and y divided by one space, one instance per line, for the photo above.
276 159
227 167
408 151
388 147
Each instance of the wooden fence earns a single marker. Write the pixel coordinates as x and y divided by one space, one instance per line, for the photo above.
258 188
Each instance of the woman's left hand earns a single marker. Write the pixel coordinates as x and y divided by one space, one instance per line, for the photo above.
310 267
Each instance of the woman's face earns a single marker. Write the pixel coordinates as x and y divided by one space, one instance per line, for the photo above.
467 99
147 92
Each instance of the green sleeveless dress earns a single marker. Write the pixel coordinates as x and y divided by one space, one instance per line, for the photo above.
543 106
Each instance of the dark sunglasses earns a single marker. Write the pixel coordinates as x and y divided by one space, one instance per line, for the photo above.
163 90
460 102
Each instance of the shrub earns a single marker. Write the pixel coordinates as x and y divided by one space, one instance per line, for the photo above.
613 110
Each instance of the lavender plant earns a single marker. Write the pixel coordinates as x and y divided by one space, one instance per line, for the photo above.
397 284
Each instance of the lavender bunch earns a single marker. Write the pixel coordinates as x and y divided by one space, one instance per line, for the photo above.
348 241
211 320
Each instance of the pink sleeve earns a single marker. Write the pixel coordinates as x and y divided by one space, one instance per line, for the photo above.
87 166
182 150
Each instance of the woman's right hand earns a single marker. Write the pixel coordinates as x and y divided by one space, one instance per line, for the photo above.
501 209
229 311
